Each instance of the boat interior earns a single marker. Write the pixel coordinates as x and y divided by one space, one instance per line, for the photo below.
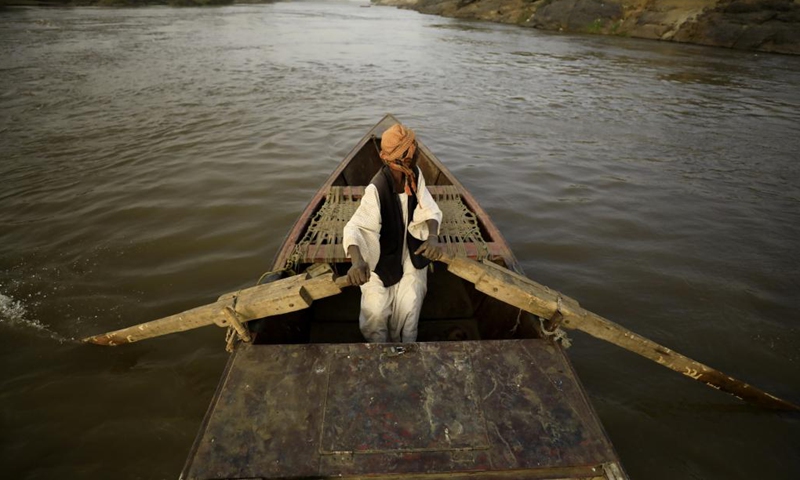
453 309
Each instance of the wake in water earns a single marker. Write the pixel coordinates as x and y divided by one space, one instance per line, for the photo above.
13 314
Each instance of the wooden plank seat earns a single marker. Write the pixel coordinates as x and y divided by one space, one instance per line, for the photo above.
459 234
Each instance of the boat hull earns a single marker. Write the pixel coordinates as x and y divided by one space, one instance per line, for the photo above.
481 395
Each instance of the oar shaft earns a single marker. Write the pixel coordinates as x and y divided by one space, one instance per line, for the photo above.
604 329
276 298
188 320
537 299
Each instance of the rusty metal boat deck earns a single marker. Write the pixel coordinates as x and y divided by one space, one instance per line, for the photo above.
478 409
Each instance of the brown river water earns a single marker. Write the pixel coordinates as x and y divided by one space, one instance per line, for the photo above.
154 158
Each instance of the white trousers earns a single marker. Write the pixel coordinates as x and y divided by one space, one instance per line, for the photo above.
392 314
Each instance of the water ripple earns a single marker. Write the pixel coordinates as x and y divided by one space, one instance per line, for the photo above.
153 158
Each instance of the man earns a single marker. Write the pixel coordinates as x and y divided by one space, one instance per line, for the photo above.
388 239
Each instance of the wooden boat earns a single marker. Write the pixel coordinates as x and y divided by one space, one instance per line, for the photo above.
481 395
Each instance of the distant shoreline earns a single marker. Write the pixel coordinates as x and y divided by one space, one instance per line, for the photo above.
754 25
758 25
129 3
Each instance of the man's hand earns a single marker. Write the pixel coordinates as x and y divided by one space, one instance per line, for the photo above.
430 248
359 272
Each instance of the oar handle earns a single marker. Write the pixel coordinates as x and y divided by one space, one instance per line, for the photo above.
343 282
445 258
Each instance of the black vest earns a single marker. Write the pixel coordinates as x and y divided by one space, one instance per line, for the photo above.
390 263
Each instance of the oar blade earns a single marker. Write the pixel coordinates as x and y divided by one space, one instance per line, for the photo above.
188 320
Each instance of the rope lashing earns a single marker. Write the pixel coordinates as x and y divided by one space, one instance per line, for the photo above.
236 328
555 331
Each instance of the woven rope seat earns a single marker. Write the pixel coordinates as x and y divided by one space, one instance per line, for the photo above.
459 234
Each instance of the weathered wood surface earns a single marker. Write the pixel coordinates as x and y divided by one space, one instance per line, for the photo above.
275 298
532 297
487 409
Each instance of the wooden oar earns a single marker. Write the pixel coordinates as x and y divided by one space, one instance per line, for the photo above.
234 309
537 299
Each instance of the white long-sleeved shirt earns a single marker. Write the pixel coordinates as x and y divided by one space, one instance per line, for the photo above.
364 228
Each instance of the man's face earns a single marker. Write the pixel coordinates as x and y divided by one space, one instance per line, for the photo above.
413 163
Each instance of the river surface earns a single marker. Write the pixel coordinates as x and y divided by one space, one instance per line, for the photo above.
154 158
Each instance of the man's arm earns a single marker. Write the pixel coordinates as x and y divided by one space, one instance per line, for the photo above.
359 271
433 227
430 248
361 234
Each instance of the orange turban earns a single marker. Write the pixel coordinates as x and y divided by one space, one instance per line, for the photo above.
398 146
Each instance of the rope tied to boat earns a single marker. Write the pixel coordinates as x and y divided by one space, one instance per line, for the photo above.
230 339
230 334
236 328
555 332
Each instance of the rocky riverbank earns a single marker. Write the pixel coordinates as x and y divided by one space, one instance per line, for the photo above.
764 25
